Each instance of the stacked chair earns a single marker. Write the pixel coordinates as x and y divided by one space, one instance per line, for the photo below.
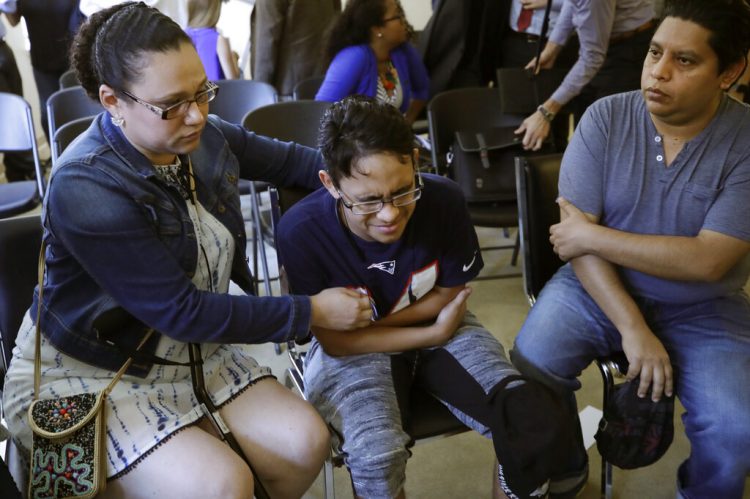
17 135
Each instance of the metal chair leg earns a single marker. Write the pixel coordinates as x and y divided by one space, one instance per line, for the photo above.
610 368
261 242
329 492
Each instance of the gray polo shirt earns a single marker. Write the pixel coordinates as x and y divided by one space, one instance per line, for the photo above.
614 168
595 21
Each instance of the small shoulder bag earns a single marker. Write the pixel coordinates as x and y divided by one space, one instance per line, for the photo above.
482 163
68 451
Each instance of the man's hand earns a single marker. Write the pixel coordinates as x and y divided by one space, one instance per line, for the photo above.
570 238
648 358
546 58
450 317
535 130
341 309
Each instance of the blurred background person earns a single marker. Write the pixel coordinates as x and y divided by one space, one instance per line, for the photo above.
460 45
18 166
218 59
370 53
614 36
176 9
286 38
521 34
50 25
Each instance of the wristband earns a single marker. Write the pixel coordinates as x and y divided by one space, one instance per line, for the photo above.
546 114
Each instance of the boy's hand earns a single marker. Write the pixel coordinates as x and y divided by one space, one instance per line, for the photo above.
450 317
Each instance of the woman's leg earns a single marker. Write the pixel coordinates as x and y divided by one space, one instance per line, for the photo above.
191 464
282 435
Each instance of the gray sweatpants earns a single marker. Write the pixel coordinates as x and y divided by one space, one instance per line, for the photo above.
358 396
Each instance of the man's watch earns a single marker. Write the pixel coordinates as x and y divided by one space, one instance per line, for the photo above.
546 114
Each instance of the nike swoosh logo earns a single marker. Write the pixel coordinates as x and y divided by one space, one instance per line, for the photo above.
467 267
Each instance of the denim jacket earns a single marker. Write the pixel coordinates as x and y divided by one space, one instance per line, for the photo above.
117 236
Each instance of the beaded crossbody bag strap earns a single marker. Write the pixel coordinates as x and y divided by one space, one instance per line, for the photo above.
68 448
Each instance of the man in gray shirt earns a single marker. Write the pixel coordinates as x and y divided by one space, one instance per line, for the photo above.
613 37
656 229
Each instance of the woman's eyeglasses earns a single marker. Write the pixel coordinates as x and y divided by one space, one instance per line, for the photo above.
403 199
181 108
400 17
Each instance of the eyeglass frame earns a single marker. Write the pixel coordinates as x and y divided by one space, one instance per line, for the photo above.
416 192
399 17
162 112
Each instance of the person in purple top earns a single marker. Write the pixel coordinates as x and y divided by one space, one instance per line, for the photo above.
613 37
370 54
218 59
405 240
656 229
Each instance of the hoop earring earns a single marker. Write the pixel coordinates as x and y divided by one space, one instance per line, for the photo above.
117 121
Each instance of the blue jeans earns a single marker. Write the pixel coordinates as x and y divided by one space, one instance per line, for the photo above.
709 347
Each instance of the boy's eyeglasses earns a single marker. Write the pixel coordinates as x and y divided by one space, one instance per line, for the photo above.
398 201
181 108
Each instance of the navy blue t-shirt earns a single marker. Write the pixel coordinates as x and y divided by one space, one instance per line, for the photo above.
439 247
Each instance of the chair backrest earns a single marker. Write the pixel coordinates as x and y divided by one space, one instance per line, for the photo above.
520 92
20 239
238 97
536 182
294 121
472 108
70 104
67 133
69 79
307 88
17 131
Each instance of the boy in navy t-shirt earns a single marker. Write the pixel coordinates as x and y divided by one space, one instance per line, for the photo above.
405 240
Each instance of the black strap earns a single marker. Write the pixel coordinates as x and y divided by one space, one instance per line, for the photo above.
140 355
542 36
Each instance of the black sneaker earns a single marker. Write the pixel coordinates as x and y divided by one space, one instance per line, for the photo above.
538 493
569 486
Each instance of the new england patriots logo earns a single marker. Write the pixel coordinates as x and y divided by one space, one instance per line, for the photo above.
389 266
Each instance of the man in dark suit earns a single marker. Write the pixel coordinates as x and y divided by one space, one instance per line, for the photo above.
286 40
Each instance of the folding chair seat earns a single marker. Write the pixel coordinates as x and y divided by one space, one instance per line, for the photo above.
307 88
67 133
69 104
290 121
536 179
234 100
69 79
17 134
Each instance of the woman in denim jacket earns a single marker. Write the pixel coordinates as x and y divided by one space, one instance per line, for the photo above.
143 227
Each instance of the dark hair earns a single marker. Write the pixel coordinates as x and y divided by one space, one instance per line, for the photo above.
359 126
727 20
353 25
109 46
